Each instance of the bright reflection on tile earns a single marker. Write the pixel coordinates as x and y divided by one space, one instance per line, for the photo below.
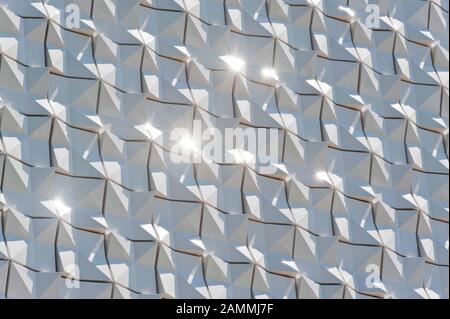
235 63
323 176
62 208
270 73
349 11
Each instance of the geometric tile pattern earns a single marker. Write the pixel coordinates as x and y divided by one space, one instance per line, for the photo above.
92 206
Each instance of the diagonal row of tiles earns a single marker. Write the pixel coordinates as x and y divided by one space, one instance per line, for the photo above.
86 184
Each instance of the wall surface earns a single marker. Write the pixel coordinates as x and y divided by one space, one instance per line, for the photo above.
334 185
